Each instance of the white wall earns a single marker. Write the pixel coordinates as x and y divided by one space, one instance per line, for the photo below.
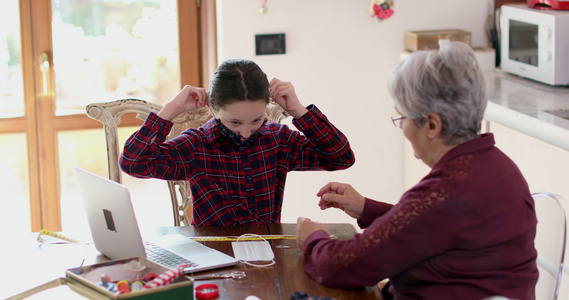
338 57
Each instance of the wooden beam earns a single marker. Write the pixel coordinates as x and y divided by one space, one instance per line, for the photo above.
189 43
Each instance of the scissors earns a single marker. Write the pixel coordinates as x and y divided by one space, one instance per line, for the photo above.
234 275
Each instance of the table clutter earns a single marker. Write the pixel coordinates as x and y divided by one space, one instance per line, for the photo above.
77 270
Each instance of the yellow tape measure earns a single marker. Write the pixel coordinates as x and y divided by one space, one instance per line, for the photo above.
247 238
45 232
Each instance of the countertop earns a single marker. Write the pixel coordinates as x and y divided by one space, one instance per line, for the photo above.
531 107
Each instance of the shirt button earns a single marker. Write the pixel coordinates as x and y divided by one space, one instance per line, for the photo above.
249 178
242 149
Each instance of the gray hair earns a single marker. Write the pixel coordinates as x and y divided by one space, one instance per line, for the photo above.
447 82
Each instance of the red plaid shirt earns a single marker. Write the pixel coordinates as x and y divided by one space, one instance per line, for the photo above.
231 185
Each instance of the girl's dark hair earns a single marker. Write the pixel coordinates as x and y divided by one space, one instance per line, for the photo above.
238 80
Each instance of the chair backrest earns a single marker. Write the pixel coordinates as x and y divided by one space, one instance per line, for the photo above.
109 114
550 242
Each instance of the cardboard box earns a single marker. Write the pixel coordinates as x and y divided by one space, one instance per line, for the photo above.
429 39
486 57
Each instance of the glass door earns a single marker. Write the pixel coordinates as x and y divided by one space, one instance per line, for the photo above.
14 182
64 54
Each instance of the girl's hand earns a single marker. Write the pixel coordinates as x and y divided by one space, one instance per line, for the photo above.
284 95
188 99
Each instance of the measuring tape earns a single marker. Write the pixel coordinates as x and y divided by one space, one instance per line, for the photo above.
55 235
251 238
198 238
234 238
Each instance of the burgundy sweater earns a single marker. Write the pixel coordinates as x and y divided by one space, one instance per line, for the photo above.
465 231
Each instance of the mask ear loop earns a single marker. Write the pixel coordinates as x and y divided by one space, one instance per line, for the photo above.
252 264
211 111
209 105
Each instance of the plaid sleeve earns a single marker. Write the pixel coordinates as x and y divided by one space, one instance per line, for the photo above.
142 156
323 146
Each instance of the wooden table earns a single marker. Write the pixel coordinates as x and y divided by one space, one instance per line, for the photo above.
276 282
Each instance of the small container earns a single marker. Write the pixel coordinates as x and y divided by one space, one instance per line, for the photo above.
131 269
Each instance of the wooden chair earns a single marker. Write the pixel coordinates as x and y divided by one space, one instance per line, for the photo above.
109 114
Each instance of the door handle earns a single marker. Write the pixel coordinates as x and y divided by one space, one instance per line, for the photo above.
44 69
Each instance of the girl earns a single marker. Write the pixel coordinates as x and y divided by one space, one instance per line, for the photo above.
237 162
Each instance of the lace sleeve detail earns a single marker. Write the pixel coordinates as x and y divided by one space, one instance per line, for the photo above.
409 233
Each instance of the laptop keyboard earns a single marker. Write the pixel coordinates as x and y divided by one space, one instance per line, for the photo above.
164 257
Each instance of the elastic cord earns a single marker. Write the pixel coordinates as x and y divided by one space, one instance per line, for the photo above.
258 265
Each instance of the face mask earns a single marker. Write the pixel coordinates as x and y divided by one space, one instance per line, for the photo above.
253 251
235 138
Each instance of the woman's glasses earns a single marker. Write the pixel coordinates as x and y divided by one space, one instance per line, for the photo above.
398 122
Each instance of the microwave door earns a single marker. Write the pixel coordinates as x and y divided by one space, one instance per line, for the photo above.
523 42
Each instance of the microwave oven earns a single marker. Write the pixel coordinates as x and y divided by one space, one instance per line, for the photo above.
534 43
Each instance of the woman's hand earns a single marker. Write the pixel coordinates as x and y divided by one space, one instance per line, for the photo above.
189 98
305 228
342 196
284 95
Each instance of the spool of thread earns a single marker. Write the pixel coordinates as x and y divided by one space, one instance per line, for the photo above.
149 277
136 286
106 283
123 287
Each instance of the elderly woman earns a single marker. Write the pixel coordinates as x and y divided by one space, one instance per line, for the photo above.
466 230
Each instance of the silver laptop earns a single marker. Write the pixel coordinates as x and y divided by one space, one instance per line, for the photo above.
116 234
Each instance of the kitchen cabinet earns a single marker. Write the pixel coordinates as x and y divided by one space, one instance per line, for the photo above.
527 119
